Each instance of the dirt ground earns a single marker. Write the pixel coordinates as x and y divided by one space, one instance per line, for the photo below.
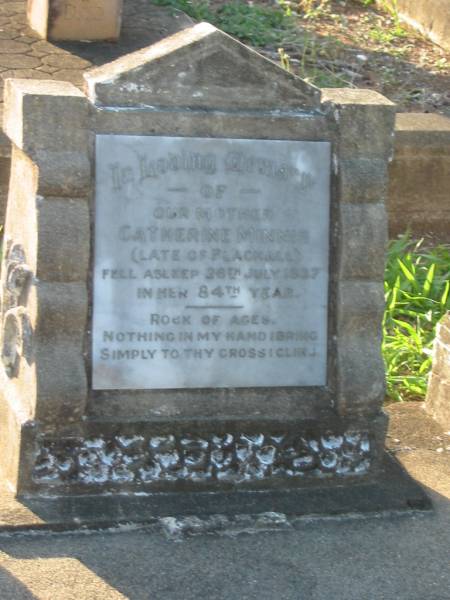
344 43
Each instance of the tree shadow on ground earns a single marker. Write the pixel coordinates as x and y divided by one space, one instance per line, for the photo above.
13 589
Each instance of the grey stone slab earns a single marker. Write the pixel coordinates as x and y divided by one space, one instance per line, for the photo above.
211 263
189 69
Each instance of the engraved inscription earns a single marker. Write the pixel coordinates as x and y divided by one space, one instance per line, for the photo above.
211 263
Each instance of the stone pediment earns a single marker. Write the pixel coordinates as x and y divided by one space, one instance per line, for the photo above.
199 68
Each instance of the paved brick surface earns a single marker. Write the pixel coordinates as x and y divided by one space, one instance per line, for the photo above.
23 54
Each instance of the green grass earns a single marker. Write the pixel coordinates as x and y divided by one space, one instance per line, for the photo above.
384 36
417 296
253 24
279 27
313 9
197 9
256 25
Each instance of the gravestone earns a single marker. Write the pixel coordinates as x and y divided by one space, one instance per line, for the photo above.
192 287
75 19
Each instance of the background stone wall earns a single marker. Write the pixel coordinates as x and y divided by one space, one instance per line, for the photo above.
431 17
419 177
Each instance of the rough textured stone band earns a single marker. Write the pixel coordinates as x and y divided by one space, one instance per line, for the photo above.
228 458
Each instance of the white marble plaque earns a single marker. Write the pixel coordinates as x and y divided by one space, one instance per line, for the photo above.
211 263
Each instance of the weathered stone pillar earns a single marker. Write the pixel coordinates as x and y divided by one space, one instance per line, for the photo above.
45 261
364 124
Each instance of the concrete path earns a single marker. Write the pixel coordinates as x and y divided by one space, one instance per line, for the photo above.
380 557
386 558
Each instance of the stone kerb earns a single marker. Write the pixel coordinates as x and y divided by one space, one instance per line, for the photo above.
174 89
437 402
84 20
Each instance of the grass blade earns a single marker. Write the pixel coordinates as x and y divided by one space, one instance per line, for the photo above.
429 279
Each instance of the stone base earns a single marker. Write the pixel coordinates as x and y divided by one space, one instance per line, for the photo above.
390 488
195 456
393 490
145 457
142 473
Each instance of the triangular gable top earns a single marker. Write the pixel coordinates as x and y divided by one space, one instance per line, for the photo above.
199 68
